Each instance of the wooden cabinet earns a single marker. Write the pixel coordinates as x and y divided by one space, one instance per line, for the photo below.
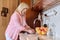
11 5
26 1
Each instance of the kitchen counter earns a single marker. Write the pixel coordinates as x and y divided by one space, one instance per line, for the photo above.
33 37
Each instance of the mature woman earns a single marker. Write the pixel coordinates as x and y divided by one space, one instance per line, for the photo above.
18 23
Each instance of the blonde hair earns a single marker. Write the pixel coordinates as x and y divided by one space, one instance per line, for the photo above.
22 6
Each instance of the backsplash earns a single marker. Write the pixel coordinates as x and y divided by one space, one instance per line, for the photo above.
54 19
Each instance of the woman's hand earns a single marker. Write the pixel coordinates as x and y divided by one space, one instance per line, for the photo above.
30 31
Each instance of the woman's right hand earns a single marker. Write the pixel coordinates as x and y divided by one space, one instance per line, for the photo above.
30 31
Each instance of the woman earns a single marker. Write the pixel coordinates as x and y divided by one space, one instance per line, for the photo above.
18 23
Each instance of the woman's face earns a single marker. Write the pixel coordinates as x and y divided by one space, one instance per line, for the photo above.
23 12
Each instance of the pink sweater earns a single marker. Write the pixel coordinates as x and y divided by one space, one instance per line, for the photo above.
15 25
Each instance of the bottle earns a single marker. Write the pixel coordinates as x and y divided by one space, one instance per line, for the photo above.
52 32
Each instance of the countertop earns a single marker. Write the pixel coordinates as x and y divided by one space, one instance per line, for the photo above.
34 37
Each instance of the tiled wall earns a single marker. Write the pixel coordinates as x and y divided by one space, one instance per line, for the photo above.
55 19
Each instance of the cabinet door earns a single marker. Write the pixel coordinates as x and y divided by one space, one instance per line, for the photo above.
11 5
26 1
